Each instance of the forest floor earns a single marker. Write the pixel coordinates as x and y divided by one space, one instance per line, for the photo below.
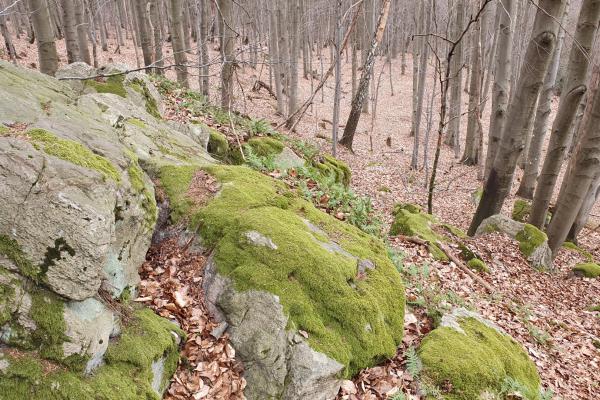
547 312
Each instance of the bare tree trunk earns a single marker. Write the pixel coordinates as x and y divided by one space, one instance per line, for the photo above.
453 135
42 25
202 48
585 167
99 17
294 10
10 48
584 211
274 54
540 127
538 55
143 31
157 33
227 52
338 78
472 141
284 51
70 30
363 86
82 28
178 43
573 90
501 86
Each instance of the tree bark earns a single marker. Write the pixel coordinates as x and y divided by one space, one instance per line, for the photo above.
227 53
70 29
82 27
294 10
540 127
501 86
454 111
203 81
178 43
573 90
538 55
585 167
42 25
157 34
362 91
144 32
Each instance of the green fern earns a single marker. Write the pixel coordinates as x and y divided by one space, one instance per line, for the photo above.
414 366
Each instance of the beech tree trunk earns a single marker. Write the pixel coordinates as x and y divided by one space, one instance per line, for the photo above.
294 10
203 81
540 126
538 55
157 35
82 27
471 154
501 86
70 29
454 111
144 32
227 53
178 43
362 91
44 35
573 90
585 167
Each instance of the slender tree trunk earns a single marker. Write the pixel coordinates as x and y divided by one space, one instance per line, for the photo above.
178 43
70 29
542 115
82 28
202 48
363 86
227 53
157 33
274 54
538 55
453 135
585 167
502 81
471 154
573 90
42 25
143 31
99 18
284 51
294 55
10 48
338 78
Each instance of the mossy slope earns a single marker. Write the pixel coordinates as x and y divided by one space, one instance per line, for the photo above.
357 322
477 361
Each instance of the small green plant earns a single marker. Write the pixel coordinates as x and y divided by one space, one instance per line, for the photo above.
164 85
398 396
511 385
397 257
254 161
259 127
414 366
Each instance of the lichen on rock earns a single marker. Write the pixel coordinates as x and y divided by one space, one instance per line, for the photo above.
468 356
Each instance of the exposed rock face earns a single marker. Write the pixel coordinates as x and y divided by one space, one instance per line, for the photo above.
468 357
533 243
278 364
76 217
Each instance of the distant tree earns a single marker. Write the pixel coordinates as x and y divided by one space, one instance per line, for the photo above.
178 42
227 52
70 29
44 35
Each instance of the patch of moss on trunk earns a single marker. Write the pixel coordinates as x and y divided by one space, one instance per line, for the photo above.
357 322
479 360
530 238
126 374
73 152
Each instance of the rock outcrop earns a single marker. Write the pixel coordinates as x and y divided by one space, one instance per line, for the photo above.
77 214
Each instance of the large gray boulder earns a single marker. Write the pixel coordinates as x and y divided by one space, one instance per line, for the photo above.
277 363
533 243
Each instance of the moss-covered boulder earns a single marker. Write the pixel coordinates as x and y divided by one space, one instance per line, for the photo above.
533 243
137 366
409 220
589 270
315 299
333 168
469 358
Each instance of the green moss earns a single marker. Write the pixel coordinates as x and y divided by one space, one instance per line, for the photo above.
573 247
530 238
477 361
521 210
137 122
218 146
477 265
3 130
459 233
466 253
112 84
384 189
7 294
11 250
151 106
126 374
265 146
589 270
336 169
357 324
74 152
47 312
594 308
410 221
136 178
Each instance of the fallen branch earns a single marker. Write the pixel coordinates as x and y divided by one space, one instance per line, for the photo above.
462 266
260 84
